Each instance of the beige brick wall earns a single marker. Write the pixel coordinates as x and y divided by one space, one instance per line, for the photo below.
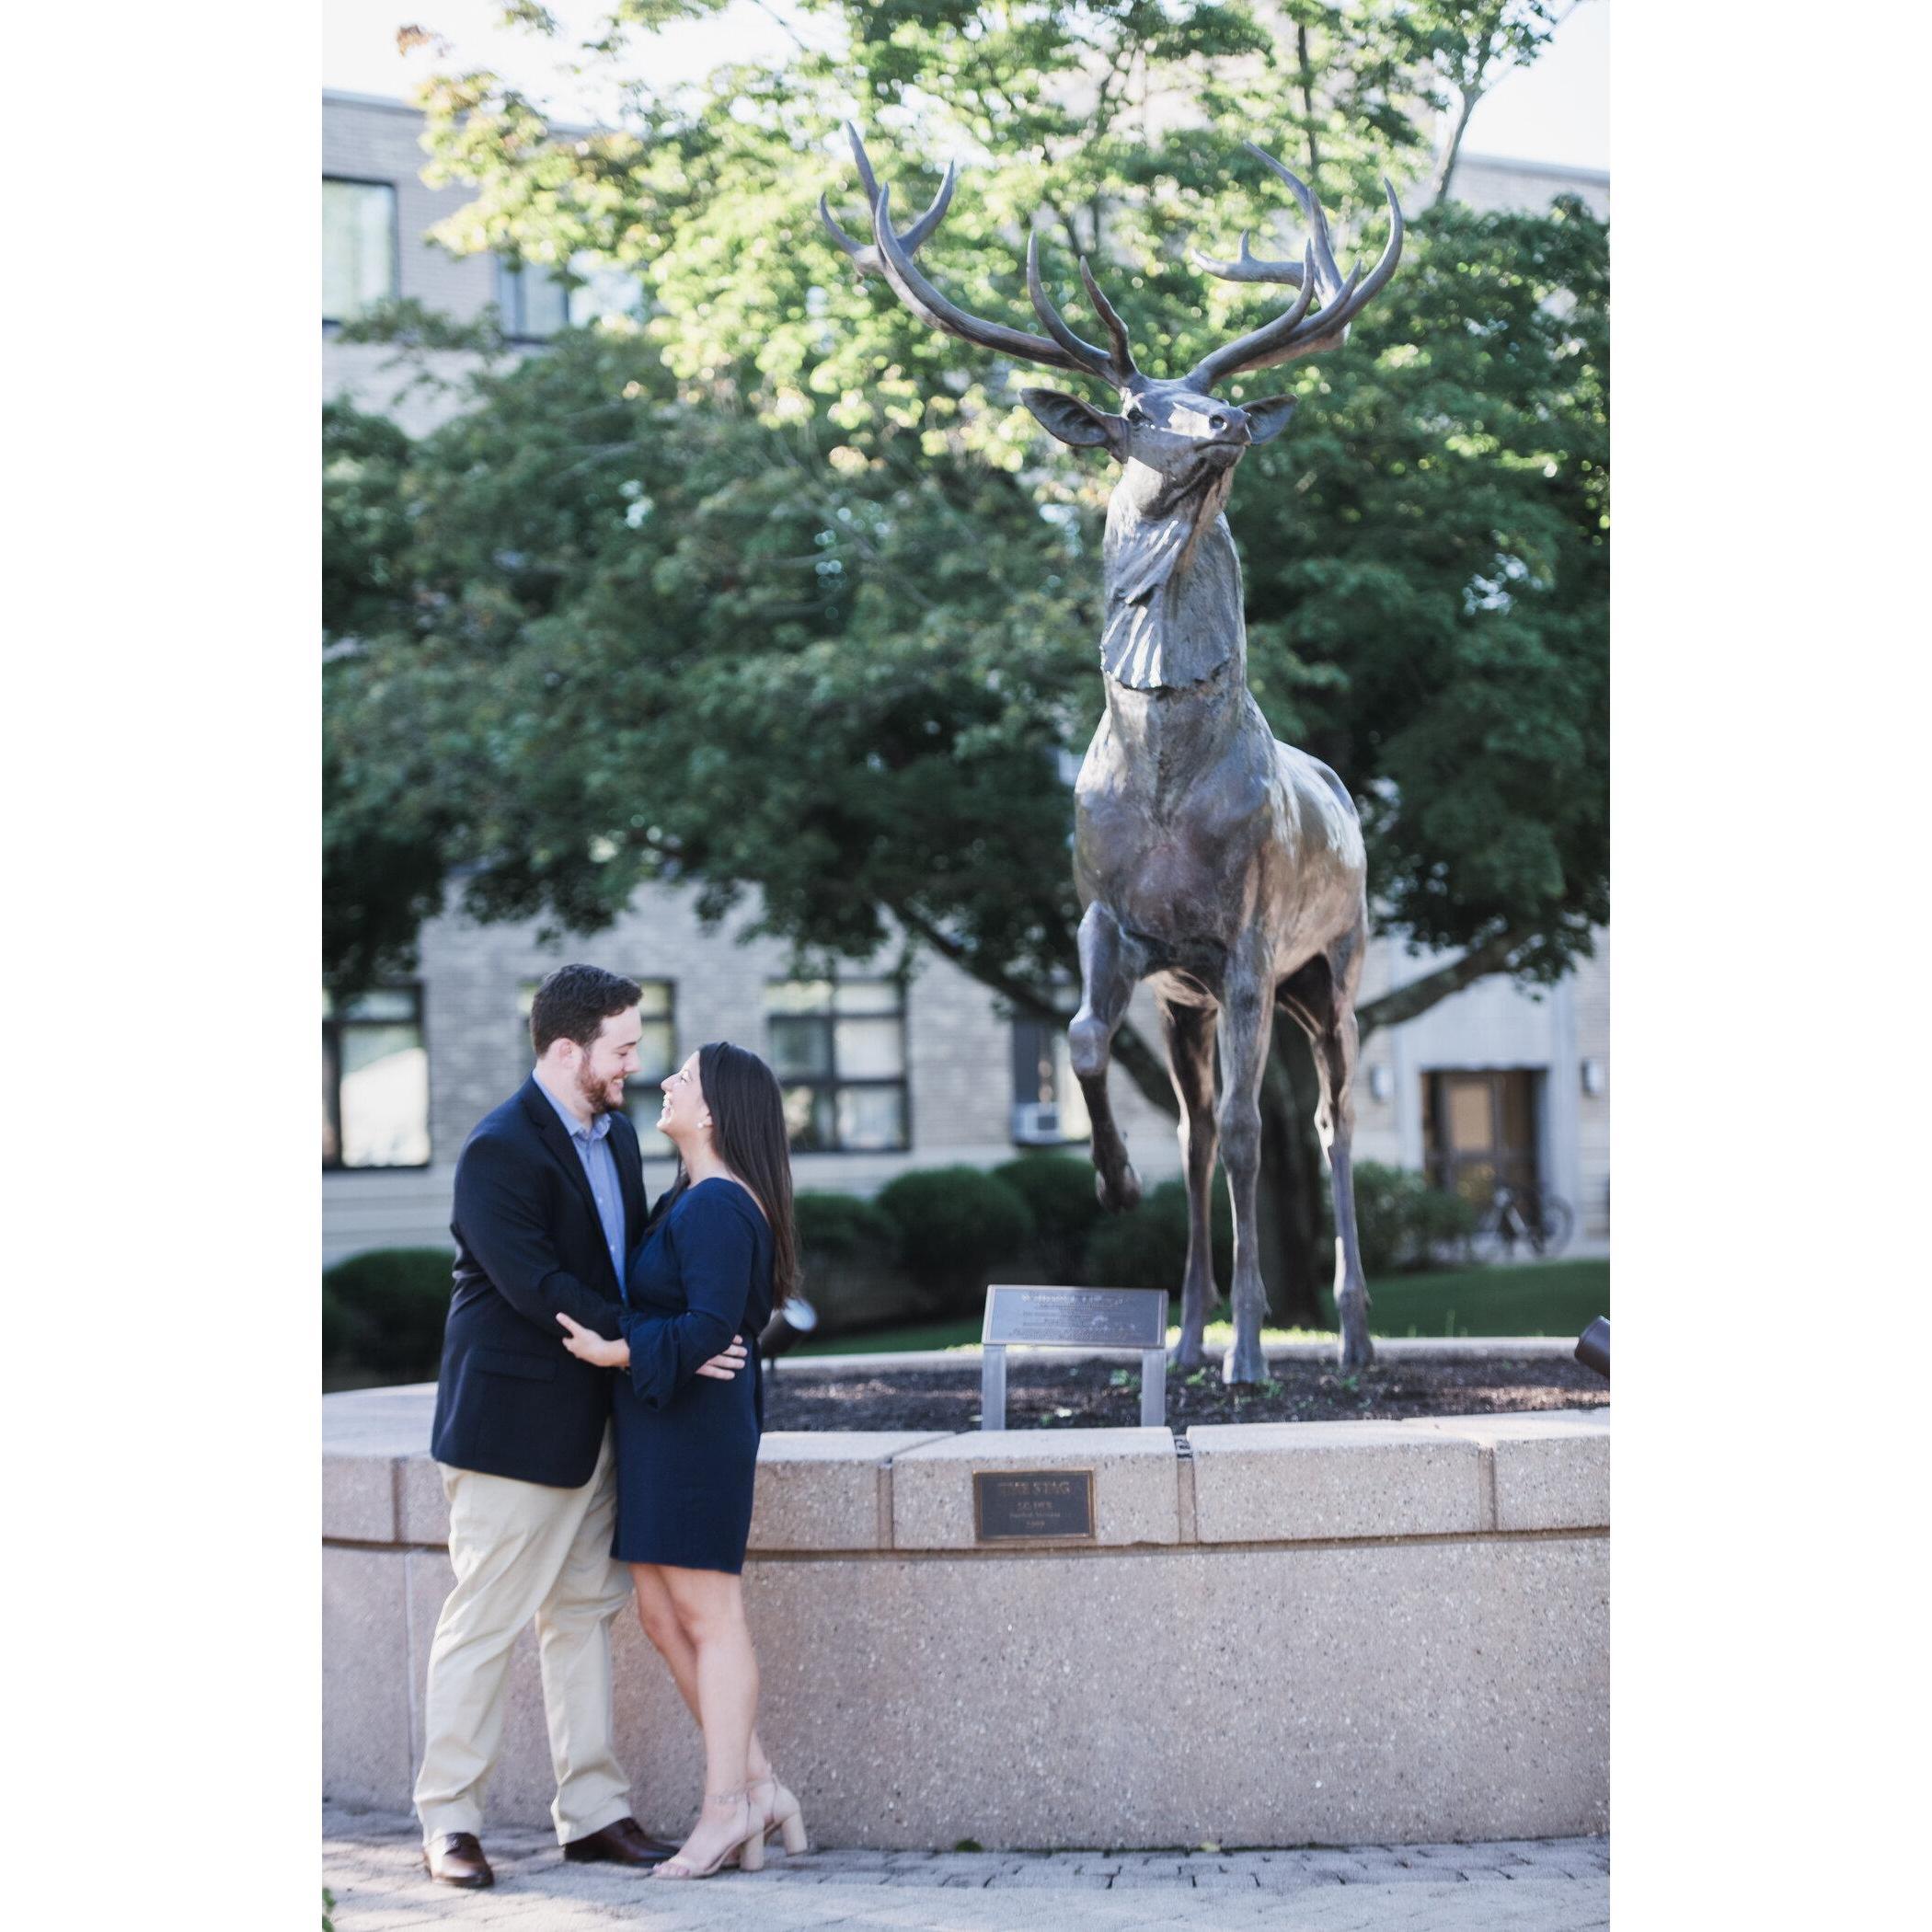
1497 1023
1593 998
958 1062
959 1055
1489 181
368 141
372 141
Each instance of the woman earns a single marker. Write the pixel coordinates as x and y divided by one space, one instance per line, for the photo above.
721 1253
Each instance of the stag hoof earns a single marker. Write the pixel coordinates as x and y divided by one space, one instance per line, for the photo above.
1357 1353
1120 1192
1188 1354
1243 1364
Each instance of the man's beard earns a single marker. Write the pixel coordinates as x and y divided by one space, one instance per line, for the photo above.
596 1093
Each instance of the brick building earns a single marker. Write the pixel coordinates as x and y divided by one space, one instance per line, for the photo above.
880 1073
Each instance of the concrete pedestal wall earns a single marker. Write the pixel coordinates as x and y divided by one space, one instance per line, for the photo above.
1326 1632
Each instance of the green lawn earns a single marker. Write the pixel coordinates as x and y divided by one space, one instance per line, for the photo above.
1536 1298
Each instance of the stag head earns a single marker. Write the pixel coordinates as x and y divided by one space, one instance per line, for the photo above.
1176 428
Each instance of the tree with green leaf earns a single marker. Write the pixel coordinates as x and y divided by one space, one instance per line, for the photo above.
706 600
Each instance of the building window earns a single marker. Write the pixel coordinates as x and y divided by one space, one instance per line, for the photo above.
1480 1129
375 1081
604 293
358 249
657 1057
533 304
838 1047
1048 1109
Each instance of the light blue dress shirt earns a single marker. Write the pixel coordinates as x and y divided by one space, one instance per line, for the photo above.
592 1143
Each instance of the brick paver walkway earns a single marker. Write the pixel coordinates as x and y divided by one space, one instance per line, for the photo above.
372 1863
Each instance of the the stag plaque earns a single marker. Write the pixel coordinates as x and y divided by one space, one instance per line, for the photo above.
1077 1318
1033 1505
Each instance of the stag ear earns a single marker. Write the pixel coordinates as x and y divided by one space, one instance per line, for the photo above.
1075 421
1268 417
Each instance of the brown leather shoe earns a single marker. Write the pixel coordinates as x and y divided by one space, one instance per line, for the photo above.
620 1843
456 1858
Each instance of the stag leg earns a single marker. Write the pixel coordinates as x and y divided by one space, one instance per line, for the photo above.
1322 997
1248 1014
1190 1031
1111 967
1335 1122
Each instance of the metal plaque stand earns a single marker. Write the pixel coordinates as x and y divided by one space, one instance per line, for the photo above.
994 1358
993 1386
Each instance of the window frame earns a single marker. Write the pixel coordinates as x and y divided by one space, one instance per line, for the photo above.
1508 1162
396 289
511 315
332 1025
508 272
645 1130
833 1082
1053 1030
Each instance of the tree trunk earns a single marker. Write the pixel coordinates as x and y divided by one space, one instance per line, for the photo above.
1289 1197
1452 146
1307 78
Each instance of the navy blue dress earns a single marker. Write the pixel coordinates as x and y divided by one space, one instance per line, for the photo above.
687 1444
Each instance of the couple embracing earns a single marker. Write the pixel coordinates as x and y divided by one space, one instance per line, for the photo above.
597 1424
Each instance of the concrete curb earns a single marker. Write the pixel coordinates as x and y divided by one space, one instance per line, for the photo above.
1390 1348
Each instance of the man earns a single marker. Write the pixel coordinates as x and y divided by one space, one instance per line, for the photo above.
549 1202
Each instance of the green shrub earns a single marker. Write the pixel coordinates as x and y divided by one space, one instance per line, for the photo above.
395 1300
339 1327
849 1252
834 1227
1060 1193
955 1225
1147 1246
1404 1223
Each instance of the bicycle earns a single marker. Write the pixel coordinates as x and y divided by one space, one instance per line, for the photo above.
1522 1212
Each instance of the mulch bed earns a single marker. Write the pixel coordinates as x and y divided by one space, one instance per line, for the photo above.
1106 1394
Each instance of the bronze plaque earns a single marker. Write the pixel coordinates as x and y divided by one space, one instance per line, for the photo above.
1033 1505
1078 1318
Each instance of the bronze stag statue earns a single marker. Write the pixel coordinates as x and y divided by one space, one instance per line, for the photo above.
1224 866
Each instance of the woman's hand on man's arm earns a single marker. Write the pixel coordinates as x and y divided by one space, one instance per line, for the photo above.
722 1367
588 1346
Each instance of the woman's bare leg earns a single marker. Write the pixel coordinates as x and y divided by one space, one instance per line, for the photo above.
709 1608
658 1616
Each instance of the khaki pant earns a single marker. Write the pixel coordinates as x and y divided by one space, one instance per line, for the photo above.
524 1550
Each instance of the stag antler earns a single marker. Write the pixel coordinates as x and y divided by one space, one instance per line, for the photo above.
891 256
865 255
1295 332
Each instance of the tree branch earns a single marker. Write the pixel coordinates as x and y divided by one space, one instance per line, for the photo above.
1418 996
1451 145
1143 1065
1307 79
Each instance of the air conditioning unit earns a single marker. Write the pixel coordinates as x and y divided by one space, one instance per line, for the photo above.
1035 1124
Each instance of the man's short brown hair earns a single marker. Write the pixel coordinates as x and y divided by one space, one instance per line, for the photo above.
574 1002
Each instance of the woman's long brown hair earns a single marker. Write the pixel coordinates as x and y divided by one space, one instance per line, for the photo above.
748 1129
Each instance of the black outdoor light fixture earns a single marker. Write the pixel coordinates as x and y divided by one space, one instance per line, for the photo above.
788 1325
1593 1346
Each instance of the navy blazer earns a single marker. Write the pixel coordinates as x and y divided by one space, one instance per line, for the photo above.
511 1399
